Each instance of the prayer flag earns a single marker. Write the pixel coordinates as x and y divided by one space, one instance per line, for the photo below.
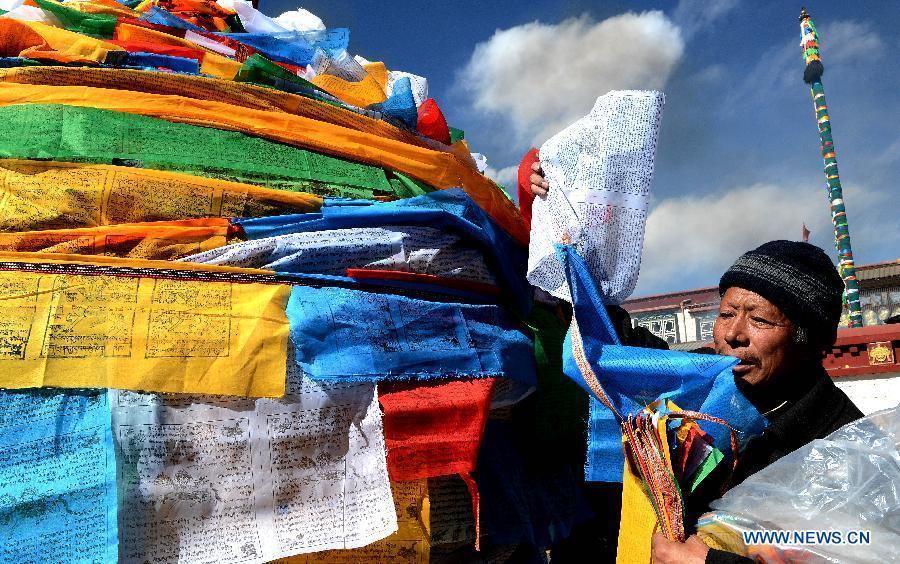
75 322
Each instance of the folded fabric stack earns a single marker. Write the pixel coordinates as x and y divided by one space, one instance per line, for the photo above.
258 301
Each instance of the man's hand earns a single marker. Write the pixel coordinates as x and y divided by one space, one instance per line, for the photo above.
665 551
539 186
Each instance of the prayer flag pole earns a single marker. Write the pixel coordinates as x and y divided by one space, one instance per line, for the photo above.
812 75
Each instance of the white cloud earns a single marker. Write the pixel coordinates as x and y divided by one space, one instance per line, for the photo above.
698 238
849 41
695 15
541 77
874 229
890 154
300 20
508 176
692 236
711 75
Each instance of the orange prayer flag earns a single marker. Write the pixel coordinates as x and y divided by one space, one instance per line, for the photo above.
212 89
41 41
212 64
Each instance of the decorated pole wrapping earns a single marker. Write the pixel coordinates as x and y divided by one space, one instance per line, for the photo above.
812 75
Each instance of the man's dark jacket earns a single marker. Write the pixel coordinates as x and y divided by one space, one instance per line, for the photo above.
817 413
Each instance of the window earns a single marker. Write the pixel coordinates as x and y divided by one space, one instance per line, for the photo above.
706 329
665 328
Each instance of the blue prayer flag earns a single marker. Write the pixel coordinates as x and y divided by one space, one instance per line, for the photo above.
57 477
341 334
633 377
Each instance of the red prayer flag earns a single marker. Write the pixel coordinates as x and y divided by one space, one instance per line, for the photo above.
432 123
434 428
526 197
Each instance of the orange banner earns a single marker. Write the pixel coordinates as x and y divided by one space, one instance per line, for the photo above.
41 41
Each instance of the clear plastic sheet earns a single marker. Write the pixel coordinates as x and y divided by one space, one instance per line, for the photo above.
847 483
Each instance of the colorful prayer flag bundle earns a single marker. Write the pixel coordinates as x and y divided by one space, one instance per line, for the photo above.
668 418
259 301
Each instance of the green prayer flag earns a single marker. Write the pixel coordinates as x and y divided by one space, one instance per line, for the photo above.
78 134
456 135
261 71
409 187
102 26
709 464
552 419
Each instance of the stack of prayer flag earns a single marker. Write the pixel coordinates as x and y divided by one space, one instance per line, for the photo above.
259 301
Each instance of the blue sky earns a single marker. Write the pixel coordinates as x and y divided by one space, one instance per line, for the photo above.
738 161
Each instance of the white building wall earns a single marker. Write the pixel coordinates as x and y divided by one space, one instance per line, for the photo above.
872 393
690 327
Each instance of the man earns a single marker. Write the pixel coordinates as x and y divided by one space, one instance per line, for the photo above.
781 304
780 308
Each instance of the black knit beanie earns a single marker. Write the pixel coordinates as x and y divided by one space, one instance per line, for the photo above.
797 277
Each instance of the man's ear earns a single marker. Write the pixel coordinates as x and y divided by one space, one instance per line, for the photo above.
803 346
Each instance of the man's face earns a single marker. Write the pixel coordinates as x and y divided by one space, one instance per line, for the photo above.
754 330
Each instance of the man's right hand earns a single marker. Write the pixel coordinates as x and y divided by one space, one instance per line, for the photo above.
539 184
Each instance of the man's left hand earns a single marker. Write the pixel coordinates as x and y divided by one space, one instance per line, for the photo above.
665 551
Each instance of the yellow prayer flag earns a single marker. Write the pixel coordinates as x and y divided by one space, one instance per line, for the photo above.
379 72
56 195
101 322
363 93
109 7
153 240
638 521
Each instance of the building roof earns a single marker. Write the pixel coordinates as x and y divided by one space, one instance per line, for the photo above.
689 346
672 300
878 274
